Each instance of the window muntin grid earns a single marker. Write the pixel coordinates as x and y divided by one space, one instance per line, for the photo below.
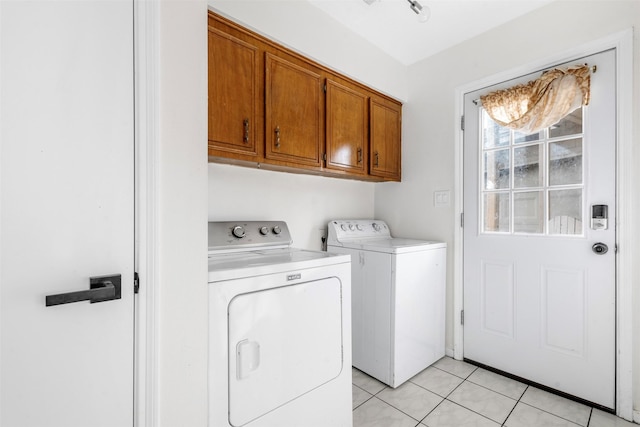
532 184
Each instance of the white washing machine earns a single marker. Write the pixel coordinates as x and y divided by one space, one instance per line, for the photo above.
279 330
398 299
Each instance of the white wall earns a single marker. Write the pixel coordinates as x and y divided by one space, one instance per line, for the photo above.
307 203
182 215
430 123
306 29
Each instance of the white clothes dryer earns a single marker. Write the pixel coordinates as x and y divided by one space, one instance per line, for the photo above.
279 330
398 299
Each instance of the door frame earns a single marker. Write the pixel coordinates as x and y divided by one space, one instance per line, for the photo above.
147 160
626 271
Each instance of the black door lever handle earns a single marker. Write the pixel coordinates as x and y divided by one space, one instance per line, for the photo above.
101 288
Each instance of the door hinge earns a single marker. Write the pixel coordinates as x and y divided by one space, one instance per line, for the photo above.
462 317
462 123
461 219
136 283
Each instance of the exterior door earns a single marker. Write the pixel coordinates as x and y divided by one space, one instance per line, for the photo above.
66 213
539 292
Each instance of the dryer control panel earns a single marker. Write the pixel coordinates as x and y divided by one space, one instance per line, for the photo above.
235 236
356 229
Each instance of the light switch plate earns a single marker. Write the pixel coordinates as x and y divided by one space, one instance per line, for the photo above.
441 198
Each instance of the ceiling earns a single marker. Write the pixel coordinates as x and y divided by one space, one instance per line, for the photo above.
394 27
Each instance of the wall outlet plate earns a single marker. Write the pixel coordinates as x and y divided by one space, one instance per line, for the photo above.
441 198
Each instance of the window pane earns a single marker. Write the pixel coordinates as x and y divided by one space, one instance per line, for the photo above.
493 135
519 138
565 211
565 162
570 125
496 212
526 166
528 211
496 169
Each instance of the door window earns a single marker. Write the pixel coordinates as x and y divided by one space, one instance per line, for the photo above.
532 184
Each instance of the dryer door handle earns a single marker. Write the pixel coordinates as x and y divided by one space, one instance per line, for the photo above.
247 358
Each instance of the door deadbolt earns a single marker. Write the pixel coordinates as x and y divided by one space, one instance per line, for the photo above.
600 248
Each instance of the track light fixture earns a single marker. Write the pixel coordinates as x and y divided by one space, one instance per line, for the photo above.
423 12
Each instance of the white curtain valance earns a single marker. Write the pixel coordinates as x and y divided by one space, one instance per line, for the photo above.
538 104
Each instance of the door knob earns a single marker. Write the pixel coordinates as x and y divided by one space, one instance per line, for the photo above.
101 288
600 248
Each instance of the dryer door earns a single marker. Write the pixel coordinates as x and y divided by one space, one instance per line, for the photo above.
283 343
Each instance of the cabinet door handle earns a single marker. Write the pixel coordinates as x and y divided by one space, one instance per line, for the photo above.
359 155
277 136
245 139
375 162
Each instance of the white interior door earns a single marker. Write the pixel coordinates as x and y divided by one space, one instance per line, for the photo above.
66 212
539 300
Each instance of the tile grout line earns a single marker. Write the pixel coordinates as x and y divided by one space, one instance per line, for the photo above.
443 398
552 414
590 415
481 386
466 379
462 406
514 406
366 400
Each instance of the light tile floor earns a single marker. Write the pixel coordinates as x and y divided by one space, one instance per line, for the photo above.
451 393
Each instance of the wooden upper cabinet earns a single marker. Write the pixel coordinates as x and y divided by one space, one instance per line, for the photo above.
385 124
294 118
234 96
347 128
274 108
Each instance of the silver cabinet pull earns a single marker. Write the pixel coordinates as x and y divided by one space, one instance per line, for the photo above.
277 136
359 155
375 162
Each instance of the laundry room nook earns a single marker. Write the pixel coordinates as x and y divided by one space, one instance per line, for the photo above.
424 203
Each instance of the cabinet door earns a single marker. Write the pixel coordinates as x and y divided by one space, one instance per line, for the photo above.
294 113
385 140
234 96
347 128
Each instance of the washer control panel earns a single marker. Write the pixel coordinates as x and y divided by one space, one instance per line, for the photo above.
247 235
355 229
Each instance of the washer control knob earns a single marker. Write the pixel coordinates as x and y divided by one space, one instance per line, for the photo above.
376 226
238 231
359 227
277 229
352 227
264 230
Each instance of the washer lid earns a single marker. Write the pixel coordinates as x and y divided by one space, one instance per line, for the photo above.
393 245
